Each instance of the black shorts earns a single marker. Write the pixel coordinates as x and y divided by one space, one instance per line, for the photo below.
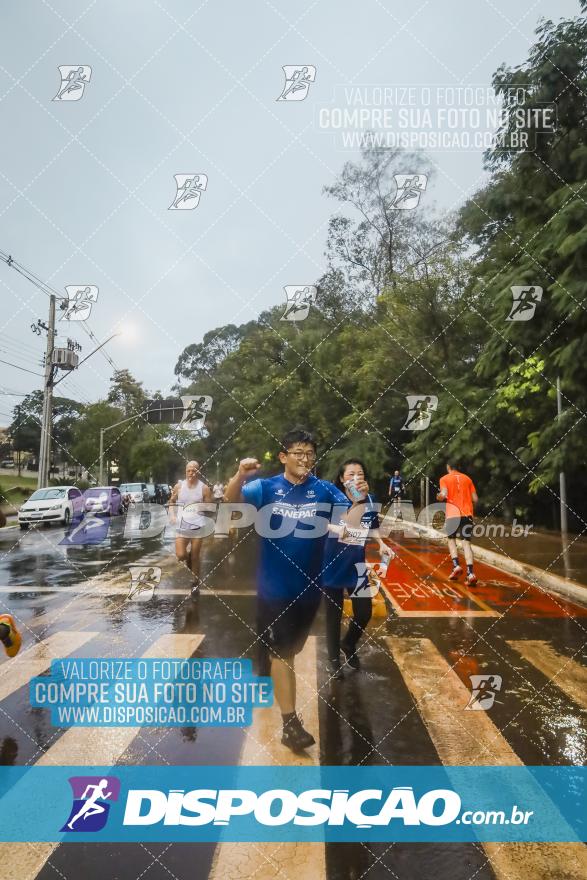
459 527
283 625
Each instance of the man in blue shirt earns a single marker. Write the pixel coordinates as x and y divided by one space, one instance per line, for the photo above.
294 511
396 486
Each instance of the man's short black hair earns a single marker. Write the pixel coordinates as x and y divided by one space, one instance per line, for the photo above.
454 463
297 435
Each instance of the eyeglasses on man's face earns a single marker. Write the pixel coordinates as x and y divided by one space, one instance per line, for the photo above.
300 455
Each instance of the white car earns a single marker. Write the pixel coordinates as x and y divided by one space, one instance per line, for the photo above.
53 504
137 492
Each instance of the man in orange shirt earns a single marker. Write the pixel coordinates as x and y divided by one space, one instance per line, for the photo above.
458 490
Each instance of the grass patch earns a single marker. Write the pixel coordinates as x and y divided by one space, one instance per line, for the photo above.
14 490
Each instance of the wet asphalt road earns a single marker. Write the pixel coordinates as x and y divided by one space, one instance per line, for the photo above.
372 717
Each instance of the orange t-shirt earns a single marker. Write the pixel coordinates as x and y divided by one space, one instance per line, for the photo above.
459 489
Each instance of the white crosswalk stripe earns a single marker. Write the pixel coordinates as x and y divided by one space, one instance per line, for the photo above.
469 739
564 672
17 672
475 740
265 861
86 746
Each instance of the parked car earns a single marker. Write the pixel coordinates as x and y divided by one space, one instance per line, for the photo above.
137 492
8 463
103 499
52 504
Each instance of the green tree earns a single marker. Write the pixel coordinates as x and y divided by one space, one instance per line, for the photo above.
529 227
85 447
126 393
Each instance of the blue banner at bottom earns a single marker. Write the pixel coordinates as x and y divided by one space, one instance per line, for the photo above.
197 804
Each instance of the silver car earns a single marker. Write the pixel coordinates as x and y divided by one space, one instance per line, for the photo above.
137 492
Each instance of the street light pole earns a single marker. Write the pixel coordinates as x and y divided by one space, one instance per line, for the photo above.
47 416
101 478
102 432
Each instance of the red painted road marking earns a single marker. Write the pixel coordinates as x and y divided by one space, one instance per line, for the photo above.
417 585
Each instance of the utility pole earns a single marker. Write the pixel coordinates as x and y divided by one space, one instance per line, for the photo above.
47 416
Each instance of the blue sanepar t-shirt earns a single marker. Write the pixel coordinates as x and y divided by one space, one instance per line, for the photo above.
340 558
293 523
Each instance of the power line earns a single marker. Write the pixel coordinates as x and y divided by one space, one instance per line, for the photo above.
94 338
18 355
24 369
50 291
5 339
30 276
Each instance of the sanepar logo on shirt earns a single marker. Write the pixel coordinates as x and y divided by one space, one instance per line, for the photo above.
278 807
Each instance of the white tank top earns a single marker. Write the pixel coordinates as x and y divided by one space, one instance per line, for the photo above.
187 495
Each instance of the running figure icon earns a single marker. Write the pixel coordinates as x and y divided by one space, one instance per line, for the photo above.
143 581
524 302
189 189
80 299
73 82
420 412
91 807
297 82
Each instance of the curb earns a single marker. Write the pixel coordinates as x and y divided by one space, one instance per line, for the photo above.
565 587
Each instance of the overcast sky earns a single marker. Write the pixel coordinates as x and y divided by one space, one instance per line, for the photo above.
180 87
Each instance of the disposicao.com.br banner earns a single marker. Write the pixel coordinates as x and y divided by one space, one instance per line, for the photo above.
419 804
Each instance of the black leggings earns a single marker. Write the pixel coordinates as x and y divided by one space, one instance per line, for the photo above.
362 608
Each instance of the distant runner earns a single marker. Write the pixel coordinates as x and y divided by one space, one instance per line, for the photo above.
458 490
218 491
396 492
186 494
290 564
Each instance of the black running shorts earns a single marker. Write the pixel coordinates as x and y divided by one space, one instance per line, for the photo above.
459 527
283 625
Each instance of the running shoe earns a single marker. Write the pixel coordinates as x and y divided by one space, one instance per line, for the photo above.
334 669
13 640
471 580
350 656
455 573
295 737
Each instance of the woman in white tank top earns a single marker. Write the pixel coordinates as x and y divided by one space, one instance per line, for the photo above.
188 520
